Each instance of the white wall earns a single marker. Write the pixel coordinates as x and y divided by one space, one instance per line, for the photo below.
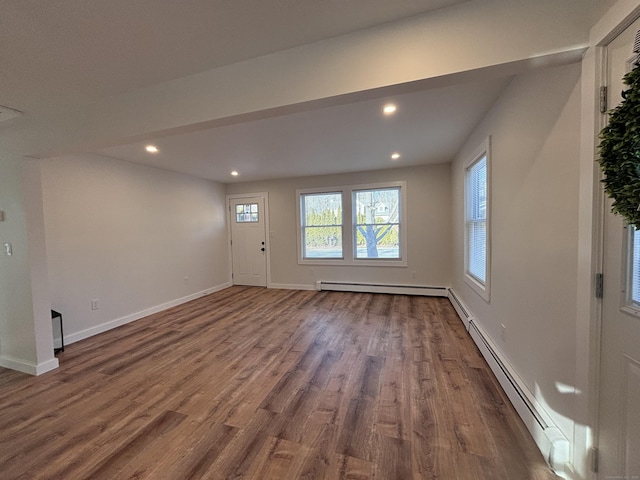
428 227
535 131
127 235
25 322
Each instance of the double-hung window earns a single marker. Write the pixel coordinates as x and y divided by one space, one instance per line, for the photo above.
477 231
634 264
632 253
321 219
377 223
376 235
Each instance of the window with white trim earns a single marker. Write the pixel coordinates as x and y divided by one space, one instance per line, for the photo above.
632 252
321 224
635 267
377 232
477 229
377 223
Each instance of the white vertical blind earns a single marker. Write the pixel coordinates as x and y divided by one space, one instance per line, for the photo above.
635 268
476 219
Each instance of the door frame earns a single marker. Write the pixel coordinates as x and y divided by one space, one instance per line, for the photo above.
267 230
591 237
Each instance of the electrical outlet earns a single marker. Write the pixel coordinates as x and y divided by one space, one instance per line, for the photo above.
95 305
312 272
413 274
503 332
186 280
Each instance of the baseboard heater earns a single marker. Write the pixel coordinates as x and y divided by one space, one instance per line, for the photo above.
460 308
382 288
549 438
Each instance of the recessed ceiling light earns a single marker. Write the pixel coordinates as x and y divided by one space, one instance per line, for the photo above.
151 149
395 156
235 173
389 109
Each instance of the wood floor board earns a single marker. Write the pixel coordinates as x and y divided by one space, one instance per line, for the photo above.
258 384
206 443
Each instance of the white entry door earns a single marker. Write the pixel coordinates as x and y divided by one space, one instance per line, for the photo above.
248 240
619 416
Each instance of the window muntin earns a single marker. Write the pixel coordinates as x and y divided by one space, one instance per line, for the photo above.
247 213
376 223
321 220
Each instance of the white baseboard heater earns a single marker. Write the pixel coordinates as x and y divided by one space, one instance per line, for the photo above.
549 438
382 288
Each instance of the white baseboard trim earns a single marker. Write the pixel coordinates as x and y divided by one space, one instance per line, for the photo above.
425 290
29 368
104 327
554 446
290 286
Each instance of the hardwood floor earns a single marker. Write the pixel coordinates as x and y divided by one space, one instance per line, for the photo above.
270 384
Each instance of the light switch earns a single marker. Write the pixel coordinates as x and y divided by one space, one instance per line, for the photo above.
8 249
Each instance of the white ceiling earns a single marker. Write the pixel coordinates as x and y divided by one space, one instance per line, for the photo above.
428 127
57 55
75 50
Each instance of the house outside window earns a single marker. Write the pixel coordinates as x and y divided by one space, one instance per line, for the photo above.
377 223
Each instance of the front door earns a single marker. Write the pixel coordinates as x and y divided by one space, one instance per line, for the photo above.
619 416
248 240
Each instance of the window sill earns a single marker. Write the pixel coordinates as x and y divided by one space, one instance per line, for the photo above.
480 288
354 263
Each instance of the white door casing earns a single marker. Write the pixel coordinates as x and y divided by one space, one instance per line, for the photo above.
619 409
248 221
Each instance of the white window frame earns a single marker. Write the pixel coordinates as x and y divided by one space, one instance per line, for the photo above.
302 225
348 213
481 288
629 305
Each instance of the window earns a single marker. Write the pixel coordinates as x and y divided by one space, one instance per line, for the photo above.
635 267
632 302
321 225
376 235
377 223
247 213
477 231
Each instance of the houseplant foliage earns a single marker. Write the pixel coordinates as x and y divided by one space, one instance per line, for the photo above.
620 151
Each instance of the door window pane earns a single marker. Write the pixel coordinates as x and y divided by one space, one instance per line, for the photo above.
247 213
635 267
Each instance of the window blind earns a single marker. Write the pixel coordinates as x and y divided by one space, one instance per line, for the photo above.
476 220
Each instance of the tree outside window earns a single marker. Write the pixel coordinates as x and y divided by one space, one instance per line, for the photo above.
377 232
377 223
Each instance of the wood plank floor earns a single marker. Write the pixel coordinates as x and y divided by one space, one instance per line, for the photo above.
270 384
